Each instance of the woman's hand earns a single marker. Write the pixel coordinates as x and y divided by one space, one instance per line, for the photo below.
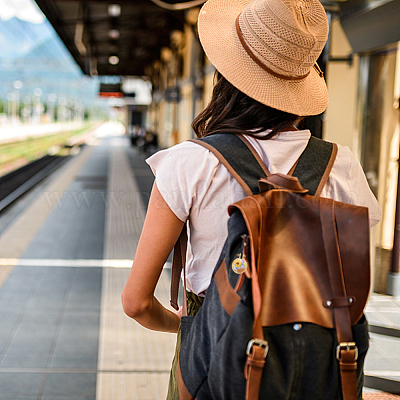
160 232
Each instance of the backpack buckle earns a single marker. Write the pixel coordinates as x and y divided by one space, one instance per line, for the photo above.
257 342
346 346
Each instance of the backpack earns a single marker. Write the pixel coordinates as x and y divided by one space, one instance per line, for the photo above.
283 315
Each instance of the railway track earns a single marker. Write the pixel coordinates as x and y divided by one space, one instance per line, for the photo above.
16 183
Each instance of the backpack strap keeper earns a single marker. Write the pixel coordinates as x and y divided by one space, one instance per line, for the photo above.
340 302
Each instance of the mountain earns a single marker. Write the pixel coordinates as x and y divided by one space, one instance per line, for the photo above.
18 37
35 55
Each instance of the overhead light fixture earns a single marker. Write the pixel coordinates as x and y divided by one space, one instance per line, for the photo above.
176 38
113 34
114 10
166 54
78 39
113 60
93 67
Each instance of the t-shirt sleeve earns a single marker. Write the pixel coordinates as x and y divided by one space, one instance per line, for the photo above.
347 183
183 174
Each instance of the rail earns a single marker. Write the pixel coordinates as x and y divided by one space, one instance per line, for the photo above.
17 183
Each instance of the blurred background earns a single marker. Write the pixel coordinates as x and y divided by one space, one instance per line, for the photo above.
120 80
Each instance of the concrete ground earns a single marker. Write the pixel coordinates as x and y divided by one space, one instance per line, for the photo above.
65 253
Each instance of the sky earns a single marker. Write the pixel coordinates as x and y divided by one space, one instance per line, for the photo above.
26 10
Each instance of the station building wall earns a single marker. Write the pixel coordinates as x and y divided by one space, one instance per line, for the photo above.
363 114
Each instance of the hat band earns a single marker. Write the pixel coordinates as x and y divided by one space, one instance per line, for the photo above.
261 64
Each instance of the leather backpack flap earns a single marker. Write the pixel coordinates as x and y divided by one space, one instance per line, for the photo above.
294 276
287 241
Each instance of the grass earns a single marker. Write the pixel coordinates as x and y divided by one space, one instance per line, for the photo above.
16 154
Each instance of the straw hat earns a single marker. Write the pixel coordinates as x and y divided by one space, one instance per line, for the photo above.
268 50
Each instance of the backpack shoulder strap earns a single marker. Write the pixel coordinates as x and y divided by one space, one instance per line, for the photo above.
239 158
314 165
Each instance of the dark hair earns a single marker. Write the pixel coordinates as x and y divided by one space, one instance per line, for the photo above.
231 111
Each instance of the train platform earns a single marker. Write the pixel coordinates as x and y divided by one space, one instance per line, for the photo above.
16 132
66 249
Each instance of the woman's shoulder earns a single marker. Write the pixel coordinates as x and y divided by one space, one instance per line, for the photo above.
185 162
184 173
347 170
346 159
347 183
185 153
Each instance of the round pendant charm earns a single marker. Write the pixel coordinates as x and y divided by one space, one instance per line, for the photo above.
239 265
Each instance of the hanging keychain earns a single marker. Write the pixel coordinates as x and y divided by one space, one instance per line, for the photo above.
239 264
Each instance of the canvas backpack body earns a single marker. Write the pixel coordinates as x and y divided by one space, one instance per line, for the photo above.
291 324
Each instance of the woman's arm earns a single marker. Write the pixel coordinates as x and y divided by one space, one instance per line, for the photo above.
160 232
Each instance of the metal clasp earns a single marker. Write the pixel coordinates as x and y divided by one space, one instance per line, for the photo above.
257 342
346 346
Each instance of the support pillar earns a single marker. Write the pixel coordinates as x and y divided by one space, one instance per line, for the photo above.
393 281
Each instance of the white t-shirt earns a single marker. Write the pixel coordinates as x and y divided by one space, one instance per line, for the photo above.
197 186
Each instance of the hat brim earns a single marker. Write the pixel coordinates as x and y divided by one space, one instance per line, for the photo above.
216 26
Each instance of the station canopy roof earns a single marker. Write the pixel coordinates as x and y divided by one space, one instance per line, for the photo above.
371 24
119 37
123 37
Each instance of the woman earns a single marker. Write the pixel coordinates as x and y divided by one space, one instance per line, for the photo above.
265 52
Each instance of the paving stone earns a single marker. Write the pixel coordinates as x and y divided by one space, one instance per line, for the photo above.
70 385
24 360
66 398
81 318
74 362
41 317
32 340
20 383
